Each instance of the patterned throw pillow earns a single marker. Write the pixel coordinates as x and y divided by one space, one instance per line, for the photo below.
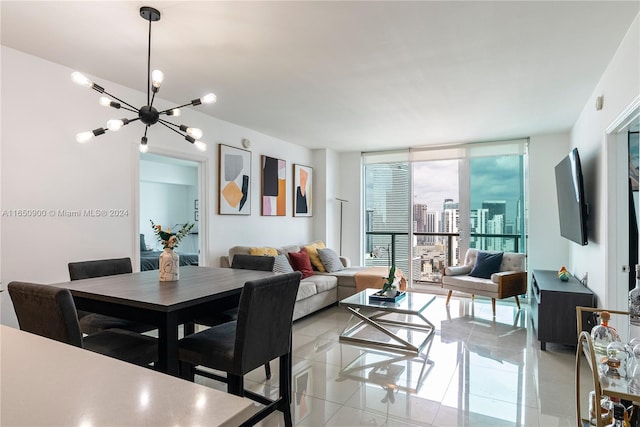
300 262
312 250
263 251
330 260
281 265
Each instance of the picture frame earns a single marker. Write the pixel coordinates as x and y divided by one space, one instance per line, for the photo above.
234 181
274 186
302 191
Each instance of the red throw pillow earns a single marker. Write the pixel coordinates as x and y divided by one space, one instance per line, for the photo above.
300 262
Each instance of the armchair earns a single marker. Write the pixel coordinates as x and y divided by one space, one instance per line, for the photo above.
509 281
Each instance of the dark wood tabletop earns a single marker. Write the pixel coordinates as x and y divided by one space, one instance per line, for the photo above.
144 298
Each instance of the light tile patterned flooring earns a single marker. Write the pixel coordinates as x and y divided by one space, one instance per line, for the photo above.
481 372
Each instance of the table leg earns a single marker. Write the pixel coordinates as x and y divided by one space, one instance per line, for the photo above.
168 346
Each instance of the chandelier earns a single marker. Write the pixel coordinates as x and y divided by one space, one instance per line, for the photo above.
147 114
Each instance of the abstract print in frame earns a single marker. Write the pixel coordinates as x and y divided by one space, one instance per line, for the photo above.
274 187
302 185
234 181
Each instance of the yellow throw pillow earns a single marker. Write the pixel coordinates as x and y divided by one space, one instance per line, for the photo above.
263 251
312 250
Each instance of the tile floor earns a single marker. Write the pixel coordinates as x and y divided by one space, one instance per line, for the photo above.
480 372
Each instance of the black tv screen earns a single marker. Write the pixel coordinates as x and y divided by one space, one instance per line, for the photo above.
572 206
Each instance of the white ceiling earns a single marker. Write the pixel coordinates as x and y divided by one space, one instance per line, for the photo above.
346 75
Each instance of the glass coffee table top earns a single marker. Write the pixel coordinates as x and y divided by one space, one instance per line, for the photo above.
412 302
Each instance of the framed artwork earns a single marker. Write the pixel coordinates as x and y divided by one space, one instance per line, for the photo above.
274 187
234 183
302 195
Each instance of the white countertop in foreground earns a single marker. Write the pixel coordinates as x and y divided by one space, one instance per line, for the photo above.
47 383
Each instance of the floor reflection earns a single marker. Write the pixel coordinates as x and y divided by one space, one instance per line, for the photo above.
481 371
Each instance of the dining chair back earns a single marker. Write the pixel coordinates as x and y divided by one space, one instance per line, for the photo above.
46 311
99 268
253 262
50 312
91 323
243 262
261 333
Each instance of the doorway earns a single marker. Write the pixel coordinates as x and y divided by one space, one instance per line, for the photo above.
620 254
171 194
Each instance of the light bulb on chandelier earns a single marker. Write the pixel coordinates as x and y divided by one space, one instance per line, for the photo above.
147 114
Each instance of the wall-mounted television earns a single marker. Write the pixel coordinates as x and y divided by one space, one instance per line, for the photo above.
572 205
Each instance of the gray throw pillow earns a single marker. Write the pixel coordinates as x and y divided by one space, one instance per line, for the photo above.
330 260
281 265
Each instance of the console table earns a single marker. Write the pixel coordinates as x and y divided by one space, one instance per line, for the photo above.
553 307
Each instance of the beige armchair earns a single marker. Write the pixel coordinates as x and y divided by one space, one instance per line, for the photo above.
509 281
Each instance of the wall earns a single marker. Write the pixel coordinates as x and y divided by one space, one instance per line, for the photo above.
44 168
547 250
619 85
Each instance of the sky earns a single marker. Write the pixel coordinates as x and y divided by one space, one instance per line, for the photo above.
493 178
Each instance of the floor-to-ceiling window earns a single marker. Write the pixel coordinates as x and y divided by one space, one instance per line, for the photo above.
430 205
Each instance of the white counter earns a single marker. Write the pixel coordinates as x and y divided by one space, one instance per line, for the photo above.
48 383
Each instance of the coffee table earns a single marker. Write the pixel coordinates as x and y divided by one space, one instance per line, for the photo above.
395 320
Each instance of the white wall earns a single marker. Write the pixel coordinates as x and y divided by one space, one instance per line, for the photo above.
350 172
44 168
547 250
620 85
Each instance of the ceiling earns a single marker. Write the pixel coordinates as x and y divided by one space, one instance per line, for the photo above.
346 75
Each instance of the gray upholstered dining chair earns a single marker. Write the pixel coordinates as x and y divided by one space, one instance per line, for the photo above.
261 333
50 312
91 323
243 262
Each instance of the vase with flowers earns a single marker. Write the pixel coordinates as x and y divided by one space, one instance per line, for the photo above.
169 260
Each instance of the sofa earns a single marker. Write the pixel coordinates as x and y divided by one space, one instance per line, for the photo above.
506 278
318 291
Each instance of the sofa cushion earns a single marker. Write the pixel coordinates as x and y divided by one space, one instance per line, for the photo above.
263 251
512 261
330 260
284 250
323 282
281 265
486 264
300 262
470 284
312 250
307 289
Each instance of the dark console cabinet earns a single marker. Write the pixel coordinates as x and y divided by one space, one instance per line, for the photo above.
553 307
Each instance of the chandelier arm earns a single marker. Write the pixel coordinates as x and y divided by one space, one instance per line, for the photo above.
121 101
164 123
129 109
179 106
167 122
153 97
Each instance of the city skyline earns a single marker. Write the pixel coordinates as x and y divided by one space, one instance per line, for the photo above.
493 179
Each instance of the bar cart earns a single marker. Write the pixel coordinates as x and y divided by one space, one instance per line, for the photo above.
601 384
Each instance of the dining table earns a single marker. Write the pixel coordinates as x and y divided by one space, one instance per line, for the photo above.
143 298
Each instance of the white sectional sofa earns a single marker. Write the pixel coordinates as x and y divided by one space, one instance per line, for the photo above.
316 292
